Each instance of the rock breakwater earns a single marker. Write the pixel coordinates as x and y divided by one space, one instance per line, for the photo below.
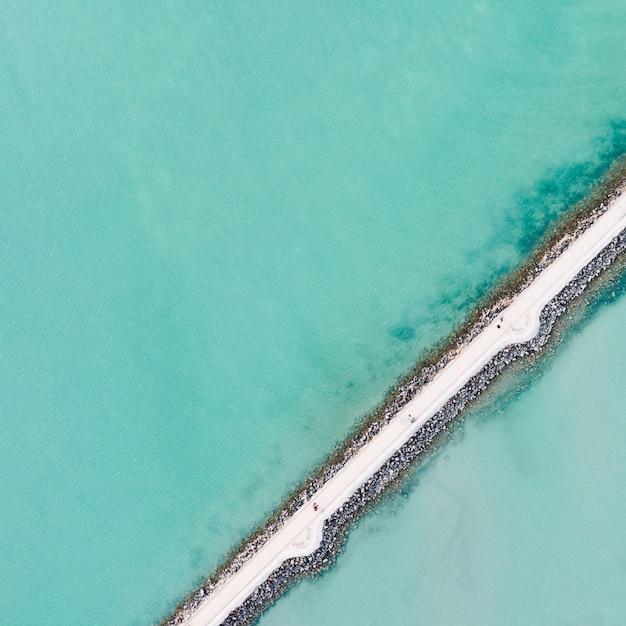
396 467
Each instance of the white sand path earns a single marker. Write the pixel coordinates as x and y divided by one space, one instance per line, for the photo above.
302 533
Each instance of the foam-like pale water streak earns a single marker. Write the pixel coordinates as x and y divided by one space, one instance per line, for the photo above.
519 520
226 230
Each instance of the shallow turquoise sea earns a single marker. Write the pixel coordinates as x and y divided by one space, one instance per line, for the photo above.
227 229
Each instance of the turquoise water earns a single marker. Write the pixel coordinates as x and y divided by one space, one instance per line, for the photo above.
519 520
226 231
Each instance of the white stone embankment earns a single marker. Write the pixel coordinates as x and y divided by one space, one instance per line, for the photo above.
305 540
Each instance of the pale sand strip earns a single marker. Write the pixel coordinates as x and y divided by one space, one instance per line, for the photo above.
302 533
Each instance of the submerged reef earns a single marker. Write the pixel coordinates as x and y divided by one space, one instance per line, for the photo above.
396 467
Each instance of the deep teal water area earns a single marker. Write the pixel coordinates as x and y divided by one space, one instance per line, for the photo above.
518 520
227 229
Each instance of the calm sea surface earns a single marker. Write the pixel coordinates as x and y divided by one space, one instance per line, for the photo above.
226 229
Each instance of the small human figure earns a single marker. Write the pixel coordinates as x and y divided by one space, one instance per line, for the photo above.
315 506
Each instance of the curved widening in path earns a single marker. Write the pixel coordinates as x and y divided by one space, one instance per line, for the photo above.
519 322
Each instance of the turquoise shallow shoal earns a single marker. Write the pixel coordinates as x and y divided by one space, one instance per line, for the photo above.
226 229
519 520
